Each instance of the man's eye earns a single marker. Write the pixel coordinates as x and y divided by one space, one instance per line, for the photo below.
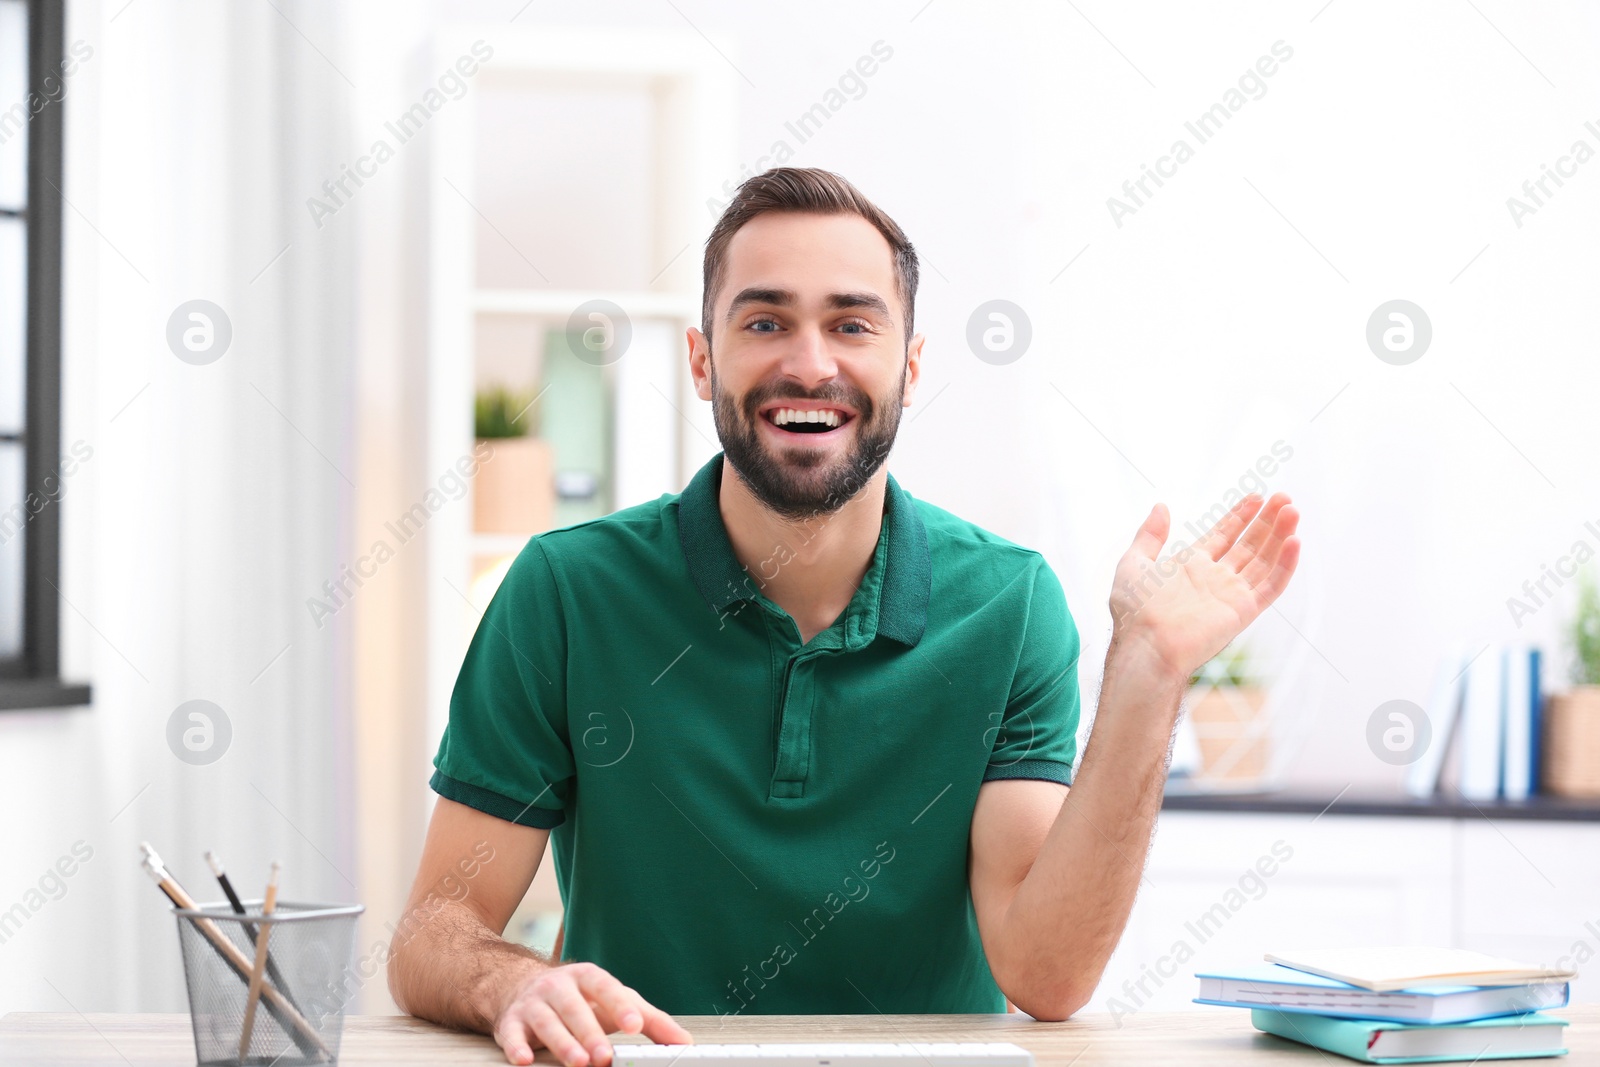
854 326
759 323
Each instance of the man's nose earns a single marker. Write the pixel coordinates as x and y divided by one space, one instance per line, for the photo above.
809 357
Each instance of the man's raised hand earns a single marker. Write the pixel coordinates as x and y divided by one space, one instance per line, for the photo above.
1186 607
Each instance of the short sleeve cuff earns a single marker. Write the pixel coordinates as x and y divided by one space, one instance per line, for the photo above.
492 803
1046 770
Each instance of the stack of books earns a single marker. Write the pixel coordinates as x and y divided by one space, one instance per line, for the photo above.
1400 1005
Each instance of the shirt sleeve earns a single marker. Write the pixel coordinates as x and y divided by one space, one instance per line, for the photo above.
1037 736
506 750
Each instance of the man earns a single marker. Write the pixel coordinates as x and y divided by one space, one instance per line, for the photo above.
803 742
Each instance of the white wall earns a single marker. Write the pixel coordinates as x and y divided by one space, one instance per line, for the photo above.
1229 312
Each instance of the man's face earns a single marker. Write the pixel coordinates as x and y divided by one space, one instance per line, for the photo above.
808 320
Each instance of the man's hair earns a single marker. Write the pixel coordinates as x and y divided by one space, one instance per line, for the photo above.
803 190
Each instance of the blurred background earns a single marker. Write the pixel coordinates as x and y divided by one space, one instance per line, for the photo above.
354 297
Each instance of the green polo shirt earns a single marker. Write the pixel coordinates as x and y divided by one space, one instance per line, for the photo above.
742 822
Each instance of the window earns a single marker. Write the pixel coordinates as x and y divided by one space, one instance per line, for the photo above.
32 474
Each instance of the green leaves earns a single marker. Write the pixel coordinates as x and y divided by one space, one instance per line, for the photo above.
1226 668
501 412
1585 632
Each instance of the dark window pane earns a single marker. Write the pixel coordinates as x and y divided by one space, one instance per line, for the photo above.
13 103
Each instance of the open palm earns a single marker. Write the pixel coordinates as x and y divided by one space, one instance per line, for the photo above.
1187 606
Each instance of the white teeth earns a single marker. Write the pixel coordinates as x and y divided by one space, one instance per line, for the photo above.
784 416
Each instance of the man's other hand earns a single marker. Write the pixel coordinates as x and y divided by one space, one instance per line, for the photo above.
569 1010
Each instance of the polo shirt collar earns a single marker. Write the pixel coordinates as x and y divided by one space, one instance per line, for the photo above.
908 574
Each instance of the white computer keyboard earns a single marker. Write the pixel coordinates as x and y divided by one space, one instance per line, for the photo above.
827 1054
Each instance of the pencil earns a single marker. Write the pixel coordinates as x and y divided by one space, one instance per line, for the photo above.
215 863
305 1036
269 902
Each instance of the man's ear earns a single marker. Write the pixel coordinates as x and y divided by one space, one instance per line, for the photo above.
913 368
700 363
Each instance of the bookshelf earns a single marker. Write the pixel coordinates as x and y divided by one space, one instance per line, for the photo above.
504 269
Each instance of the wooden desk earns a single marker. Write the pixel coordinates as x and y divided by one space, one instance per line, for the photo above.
1205 1037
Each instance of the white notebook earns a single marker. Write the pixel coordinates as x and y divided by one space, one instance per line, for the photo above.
1400 967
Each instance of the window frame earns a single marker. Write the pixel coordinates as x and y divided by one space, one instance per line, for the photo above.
32 678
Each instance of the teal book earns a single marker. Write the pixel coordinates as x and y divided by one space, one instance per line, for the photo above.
1507 1038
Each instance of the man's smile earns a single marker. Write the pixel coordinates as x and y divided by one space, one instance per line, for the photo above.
813 420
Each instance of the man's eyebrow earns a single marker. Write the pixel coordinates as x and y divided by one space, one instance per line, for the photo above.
870 301
787 298
753 295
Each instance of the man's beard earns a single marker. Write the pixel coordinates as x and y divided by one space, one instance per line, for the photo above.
805 483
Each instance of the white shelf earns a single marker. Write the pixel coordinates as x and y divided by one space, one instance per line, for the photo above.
498 544
560 303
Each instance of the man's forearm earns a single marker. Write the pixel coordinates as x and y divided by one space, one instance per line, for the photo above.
1069 911
455 970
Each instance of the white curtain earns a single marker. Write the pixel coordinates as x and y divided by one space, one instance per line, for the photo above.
217 500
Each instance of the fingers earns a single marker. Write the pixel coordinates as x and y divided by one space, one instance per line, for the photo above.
578 1017
1274 584
514 1032
569 1010
1258 535
663 1028
1266 556
1220 537
511 1035
1153 534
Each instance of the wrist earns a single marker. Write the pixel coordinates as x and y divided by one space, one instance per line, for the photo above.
503 986
1134 657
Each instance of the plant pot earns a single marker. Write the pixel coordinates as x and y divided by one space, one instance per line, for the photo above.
514 489
1570 752
1235 742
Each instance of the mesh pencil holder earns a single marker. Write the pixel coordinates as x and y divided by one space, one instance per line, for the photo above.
306 982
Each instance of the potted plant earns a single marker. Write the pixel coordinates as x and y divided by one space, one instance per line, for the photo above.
1571 742
513 491
1226 713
